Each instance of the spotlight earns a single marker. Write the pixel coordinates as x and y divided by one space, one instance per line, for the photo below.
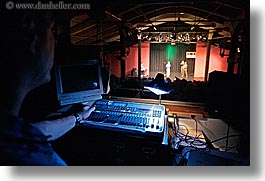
149 36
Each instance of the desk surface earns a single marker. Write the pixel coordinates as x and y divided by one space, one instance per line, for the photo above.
217 132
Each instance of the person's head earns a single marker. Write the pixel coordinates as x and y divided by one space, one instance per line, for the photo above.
27 47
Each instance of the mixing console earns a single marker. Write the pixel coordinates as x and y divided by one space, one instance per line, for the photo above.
127 116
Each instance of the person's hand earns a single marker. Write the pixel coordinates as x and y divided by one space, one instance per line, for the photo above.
86 112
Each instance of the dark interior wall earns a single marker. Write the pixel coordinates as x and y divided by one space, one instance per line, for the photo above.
75 54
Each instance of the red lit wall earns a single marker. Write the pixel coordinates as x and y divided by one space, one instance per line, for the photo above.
131 60
114 63
216 62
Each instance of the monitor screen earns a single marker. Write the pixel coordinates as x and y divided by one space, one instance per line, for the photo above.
79 82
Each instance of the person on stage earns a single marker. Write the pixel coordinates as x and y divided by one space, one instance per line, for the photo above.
184 69
142 70
181 68
168 66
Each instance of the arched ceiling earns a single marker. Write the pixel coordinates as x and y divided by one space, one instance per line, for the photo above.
102 25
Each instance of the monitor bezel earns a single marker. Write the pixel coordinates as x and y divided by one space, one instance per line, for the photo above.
78 96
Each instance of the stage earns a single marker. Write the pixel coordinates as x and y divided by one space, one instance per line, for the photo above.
173 75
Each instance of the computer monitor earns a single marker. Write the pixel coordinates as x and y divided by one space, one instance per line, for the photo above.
78 83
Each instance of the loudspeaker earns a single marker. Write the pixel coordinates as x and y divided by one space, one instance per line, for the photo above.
228 98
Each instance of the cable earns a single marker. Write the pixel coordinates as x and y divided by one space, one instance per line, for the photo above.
184 138
209 132
176 121
227 135
190 140
196 124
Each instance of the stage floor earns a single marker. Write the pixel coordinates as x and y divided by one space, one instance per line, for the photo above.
172 76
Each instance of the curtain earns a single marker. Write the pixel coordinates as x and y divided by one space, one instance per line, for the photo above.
161 53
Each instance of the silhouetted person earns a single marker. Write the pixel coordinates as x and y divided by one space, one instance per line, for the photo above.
26 60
